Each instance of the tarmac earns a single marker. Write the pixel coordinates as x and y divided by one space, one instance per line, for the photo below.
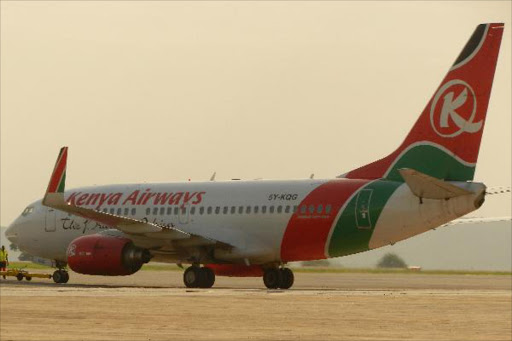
154 305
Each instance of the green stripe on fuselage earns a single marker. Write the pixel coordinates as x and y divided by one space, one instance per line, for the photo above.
355 226
432 161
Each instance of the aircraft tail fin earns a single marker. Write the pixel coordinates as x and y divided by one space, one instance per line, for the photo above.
445 140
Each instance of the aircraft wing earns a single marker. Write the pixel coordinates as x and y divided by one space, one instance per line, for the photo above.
477 220
54 198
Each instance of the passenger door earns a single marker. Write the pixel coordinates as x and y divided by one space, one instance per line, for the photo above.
50 220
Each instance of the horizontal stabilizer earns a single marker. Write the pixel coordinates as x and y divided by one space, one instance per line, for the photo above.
427 187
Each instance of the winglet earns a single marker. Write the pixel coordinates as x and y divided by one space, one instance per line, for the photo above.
58 179
56 186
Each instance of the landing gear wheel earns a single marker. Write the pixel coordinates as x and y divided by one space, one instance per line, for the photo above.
66 277
19 277
28 278
60 276
272 278
287 278
208 278
192 277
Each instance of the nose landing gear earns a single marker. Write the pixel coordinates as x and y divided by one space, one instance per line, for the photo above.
275 278
60 276
197 277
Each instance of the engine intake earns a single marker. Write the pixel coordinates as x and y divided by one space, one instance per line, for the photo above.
106 255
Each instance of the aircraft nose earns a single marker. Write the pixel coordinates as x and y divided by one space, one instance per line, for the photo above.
12 232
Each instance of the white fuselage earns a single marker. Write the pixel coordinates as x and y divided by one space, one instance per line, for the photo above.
252 216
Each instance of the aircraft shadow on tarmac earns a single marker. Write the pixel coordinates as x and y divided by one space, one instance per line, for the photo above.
35 284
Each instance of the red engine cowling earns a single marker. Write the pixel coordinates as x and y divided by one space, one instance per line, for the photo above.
105 255
236 270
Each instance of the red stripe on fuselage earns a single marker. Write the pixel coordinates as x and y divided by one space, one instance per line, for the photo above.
306 235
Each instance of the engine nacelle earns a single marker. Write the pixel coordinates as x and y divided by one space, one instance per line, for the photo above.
236 270
105 255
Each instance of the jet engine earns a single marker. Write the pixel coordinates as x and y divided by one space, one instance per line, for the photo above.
105 255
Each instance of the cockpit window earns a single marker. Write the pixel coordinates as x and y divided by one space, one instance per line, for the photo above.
27 211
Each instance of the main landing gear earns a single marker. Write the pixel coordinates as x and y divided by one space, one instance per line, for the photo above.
197 277
275 278
60 276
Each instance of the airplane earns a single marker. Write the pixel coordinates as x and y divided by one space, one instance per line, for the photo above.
255 228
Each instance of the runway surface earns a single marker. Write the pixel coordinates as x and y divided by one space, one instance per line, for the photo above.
154 305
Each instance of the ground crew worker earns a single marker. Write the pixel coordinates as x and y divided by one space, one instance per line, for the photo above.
4 259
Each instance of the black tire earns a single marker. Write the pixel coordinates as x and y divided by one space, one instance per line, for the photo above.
208 278
28 278
19 277
287 278
65 278
58 276
272 278
192 277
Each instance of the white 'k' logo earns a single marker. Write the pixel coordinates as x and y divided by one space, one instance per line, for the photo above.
451 108
71 250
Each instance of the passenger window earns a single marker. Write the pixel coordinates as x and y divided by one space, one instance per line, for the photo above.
162 210
303 209
125 211
295 209
271 209
217 210
233 209
279 209
112 210
134 211
183 211
248 209
209 210
328 209
176 210
263 209
319 209
193 210
240 209
201 210
155 210
148 211
169 210
256 209
225 210
311 209
105 210
287 209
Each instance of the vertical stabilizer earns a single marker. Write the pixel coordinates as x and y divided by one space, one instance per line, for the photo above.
445 140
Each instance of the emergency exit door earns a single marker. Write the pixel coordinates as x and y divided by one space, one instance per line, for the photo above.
363 217
50 220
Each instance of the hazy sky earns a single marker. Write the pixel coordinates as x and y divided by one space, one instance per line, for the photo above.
167 91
